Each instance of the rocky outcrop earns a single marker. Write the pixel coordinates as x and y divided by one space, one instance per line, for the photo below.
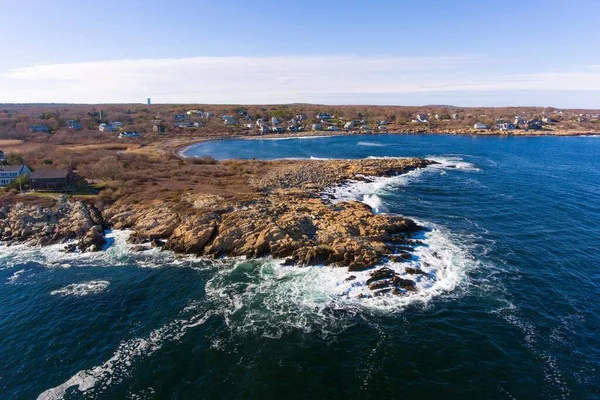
57 222
292 223
287 218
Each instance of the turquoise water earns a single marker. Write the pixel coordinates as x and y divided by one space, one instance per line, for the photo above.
513 311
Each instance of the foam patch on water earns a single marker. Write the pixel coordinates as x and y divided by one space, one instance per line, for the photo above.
117 252
452 162
531 337
113 371
15 276
368 189
266 298
371 144
82 289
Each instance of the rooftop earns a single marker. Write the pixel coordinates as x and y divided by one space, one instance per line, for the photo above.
46 173
11 168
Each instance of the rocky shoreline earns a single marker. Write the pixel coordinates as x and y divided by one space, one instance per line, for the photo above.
288 219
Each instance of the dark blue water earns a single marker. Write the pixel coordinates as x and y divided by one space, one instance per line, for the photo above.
514 314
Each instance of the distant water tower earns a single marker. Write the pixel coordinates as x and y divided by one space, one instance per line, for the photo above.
149 102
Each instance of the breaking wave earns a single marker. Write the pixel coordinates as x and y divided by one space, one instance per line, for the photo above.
265 298
371 144
113 371
82 289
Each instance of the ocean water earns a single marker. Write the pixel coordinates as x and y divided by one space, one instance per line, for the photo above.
509 308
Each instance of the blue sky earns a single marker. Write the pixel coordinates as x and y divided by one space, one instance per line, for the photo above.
463 52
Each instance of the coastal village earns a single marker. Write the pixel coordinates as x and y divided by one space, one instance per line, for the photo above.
142 125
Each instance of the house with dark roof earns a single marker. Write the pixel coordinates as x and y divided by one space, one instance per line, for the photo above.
39 128
51 179
8 173
74 125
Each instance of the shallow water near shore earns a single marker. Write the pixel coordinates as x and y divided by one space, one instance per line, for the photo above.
510 308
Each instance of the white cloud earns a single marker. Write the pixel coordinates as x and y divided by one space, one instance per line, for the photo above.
270 79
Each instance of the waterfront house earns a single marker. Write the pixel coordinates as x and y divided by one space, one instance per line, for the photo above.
520 120
350 125
278 129
317 127
549 120
534 124
8 173
480 125
51 179
39 128
382 123
333 128
275 121
324 116
422 118
382 128
264 129
74 125
506 126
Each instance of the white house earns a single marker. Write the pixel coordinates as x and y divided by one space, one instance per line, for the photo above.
422 118
8 173
350 125
107 128
520 120
480 125
129 135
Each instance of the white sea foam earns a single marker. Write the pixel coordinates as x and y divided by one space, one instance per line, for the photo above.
269 299
531 336
15 276
452 162
81 289
371 144
119 366
117 252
